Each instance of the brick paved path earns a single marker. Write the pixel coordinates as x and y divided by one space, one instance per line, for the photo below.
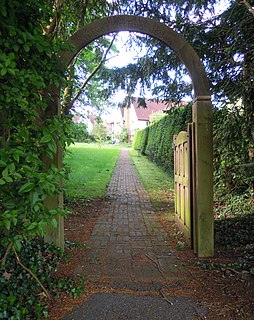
127 245
129 250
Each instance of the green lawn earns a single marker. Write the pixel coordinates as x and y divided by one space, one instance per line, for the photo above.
157 182
91 169
92 166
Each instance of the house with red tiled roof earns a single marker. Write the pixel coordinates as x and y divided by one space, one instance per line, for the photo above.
91 120
87 119
136 117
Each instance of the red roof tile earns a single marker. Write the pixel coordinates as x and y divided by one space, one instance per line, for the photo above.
92 118
152 107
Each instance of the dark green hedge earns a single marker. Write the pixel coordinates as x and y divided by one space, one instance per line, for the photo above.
156 141
233 168
140 139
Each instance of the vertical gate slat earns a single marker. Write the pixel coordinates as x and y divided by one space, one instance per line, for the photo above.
183 184
193 184
191 179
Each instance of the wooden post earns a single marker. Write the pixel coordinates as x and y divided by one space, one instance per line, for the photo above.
56 235
202 118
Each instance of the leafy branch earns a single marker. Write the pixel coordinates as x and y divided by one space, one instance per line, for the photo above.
249 7
69 105
52 28
30 272
3 261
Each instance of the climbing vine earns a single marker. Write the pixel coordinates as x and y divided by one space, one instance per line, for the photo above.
32 33
30 133
28 69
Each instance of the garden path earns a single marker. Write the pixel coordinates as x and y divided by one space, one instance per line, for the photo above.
129 250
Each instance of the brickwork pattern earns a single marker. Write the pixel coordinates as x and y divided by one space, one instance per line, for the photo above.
127 245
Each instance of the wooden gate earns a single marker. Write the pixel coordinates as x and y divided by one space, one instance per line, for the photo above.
184 183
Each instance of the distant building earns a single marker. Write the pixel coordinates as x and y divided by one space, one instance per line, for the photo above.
136 117
90 120
77 118
116 124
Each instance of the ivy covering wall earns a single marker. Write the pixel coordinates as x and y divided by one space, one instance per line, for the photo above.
29 135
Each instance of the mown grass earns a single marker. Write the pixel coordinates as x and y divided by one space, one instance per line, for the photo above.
156 181
91 167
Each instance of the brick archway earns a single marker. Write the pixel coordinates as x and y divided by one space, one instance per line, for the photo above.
201 115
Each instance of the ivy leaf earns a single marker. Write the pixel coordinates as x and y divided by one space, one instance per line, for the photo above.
46 138
2 182
36 208
17 175
10 204
12 72
26 47
32 226
15 221
7 224
5 173
12 167
8 179
41 226
12 299
3 72
11 56
35 197
2 163
27 187
17 243
16 156
3 9
16 47
52 146
53 223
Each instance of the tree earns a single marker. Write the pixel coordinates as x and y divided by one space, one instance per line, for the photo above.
29 135
224 43
83 75
33 32
123 135
100 131
156 116
80 133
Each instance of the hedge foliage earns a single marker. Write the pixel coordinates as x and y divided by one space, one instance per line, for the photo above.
233 167
140 139
156 140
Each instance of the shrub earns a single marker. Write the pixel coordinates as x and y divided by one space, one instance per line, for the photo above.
140 139
79 132
233 167
156 141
